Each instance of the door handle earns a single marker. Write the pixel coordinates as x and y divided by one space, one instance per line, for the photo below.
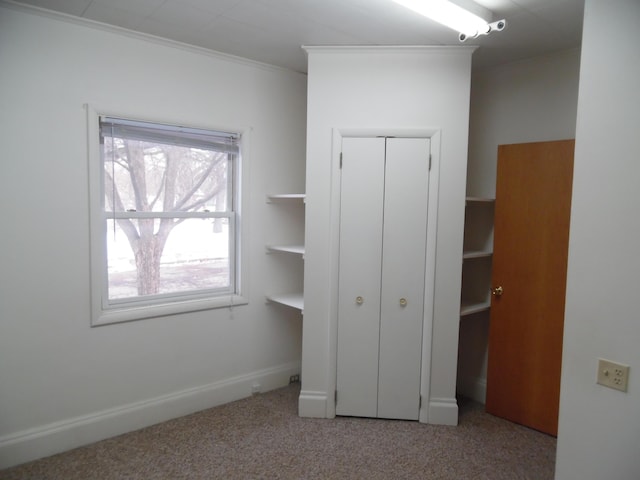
359 300
497 291
403 302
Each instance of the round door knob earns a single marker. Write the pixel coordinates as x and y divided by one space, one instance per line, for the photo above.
359 300
497 291
403 302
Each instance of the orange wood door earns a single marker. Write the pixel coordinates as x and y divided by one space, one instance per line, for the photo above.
532 211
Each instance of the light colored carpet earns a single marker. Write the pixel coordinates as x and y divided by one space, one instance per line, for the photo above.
263 438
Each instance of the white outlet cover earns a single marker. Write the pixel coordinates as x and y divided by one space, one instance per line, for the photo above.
613 375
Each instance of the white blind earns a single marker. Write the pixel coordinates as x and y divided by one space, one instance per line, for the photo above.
169 134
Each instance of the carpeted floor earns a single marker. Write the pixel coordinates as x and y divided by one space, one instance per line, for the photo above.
263 438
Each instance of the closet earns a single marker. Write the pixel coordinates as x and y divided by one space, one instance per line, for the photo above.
384 191
413 95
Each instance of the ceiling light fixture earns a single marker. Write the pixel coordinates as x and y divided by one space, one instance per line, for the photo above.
449 14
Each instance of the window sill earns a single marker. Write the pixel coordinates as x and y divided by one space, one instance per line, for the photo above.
131 313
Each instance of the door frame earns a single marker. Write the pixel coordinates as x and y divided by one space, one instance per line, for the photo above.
338 134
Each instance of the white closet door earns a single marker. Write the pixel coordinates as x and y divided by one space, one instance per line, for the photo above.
403 277
361 209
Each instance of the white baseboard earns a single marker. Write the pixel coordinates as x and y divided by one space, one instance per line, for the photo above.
479 391
475 389
38 442
443 411
312 404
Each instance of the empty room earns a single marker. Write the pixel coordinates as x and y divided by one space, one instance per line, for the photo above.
319 239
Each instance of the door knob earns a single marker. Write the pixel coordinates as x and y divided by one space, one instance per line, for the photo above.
359 300
497 291
403 302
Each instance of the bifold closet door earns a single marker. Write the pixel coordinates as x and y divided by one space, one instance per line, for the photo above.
383 226
359 279
403 270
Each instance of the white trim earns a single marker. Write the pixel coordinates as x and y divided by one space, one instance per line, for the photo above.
381 131
474 388
313 404
430 275
105 316
45 440
479 393
146 37
434 134
141 312
443 411
377 49
97 257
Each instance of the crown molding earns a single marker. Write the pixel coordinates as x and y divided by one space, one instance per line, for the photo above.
145 37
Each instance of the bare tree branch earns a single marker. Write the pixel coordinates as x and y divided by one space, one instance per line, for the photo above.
188 194
195 205
161 186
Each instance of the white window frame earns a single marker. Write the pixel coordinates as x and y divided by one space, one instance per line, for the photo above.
104 312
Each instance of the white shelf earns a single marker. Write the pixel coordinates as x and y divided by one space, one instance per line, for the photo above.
480 200
294 300
295 249
478 244
467 308
476 254
285 196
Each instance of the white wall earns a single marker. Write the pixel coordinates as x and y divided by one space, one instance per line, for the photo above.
531 100
526 101
63 383
599 430
385 89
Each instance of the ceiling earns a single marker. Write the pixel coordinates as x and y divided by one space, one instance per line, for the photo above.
272 31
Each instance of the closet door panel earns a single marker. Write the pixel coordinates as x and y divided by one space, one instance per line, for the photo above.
361 211
403 270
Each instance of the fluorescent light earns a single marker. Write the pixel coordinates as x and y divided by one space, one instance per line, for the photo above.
450 15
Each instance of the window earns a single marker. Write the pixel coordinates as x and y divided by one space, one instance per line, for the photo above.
168 219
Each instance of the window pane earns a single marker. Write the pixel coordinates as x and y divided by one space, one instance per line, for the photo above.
158 177
195 256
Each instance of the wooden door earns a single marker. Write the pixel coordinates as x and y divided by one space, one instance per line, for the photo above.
532 211
383 226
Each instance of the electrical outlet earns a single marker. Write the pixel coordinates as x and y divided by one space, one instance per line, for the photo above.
256 388
294 379
613 375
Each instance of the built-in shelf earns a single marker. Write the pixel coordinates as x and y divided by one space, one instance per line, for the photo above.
476 254
467 308
285 196
295 249
471 200
478 246
294 300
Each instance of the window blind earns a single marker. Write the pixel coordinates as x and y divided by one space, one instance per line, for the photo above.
168 134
